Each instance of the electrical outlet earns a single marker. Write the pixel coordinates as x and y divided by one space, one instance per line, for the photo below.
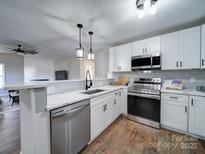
193 80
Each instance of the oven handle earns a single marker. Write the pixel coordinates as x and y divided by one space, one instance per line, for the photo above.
144 95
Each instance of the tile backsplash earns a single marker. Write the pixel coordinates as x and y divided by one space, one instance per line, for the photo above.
192 78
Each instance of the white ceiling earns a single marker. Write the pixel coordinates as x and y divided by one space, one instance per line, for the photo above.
50 25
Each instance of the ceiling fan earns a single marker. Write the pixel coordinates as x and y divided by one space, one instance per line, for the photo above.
22 51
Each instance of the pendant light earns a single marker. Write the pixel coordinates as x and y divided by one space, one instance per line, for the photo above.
80 54
91 55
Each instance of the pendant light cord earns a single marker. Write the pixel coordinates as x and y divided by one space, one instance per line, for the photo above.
80 37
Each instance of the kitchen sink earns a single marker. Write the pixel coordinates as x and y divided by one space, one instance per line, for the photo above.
90 92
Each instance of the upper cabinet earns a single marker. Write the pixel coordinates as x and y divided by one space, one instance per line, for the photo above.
147 46
181 50
120 58
203 46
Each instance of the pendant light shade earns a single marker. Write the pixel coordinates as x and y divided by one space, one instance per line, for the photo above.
80 53
91 55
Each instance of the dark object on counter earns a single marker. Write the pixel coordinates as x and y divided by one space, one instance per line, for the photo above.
61 75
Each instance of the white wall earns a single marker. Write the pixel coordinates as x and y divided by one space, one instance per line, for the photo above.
38 68
102 63
72 65
13 67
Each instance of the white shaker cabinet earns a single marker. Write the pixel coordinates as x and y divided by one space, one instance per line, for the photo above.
97 120
147 46
174 111
197 115
171 51
191 48
120 58
181 50
123 101
203 46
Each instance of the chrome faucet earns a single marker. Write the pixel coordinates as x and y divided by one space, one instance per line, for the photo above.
86 81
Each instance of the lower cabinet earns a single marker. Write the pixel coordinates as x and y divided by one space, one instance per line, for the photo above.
104 110
123 101
197 115
183 112
174 111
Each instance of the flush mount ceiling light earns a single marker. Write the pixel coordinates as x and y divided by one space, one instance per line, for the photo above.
91 55
146 6
80 51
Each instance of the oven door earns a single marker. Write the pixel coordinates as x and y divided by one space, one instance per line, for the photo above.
141 62
144 105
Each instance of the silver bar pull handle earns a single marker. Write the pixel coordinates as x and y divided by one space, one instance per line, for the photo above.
177 64
173 97
185 109
180 63
192 102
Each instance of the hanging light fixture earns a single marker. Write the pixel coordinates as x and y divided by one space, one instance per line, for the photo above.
91 55
146 6
80 51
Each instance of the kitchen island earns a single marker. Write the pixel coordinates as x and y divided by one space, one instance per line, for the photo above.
36 102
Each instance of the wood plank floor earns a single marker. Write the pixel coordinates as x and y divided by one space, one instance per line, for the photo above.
128 137
9 129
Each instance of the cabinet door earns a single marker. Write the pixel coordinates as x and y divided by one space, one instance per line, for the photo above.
97 120
115 109
108 113
138 48
203 47
112 60
171 51
123 54
120 58
153 45
174 114
123 102
191 48
197 115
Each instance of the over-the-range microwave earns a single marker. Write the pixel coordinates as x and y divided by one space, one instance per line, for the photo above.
146 62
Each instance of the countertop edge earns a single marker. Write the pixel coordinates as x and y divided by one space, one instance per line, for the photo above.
84 98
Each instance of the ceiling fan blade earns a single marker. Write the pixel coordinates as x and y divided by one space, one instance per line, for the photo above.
32 52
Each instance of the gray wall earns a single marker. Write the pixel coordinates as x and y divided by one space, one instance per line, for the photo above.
102 63
72 65
14 67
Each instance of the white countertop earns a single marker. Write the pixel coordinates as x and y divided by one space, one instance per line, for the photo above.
41 84
58 100
184 92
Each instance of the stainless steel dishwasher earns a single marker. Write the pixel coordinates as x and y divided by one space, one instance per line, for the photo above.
70 128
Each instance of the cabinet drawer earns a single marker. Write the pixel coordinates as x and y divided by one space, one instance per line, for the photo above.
101 99
175 97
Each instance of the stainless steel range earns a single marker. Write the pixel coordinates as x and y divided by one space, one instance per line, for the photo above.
144 101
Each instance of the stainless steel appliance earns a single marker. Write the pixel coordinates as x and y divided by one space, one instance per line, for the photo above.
70 128
144 101
146 62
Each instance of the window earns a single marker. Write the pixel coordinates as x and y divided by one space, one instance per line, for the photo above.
2 75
